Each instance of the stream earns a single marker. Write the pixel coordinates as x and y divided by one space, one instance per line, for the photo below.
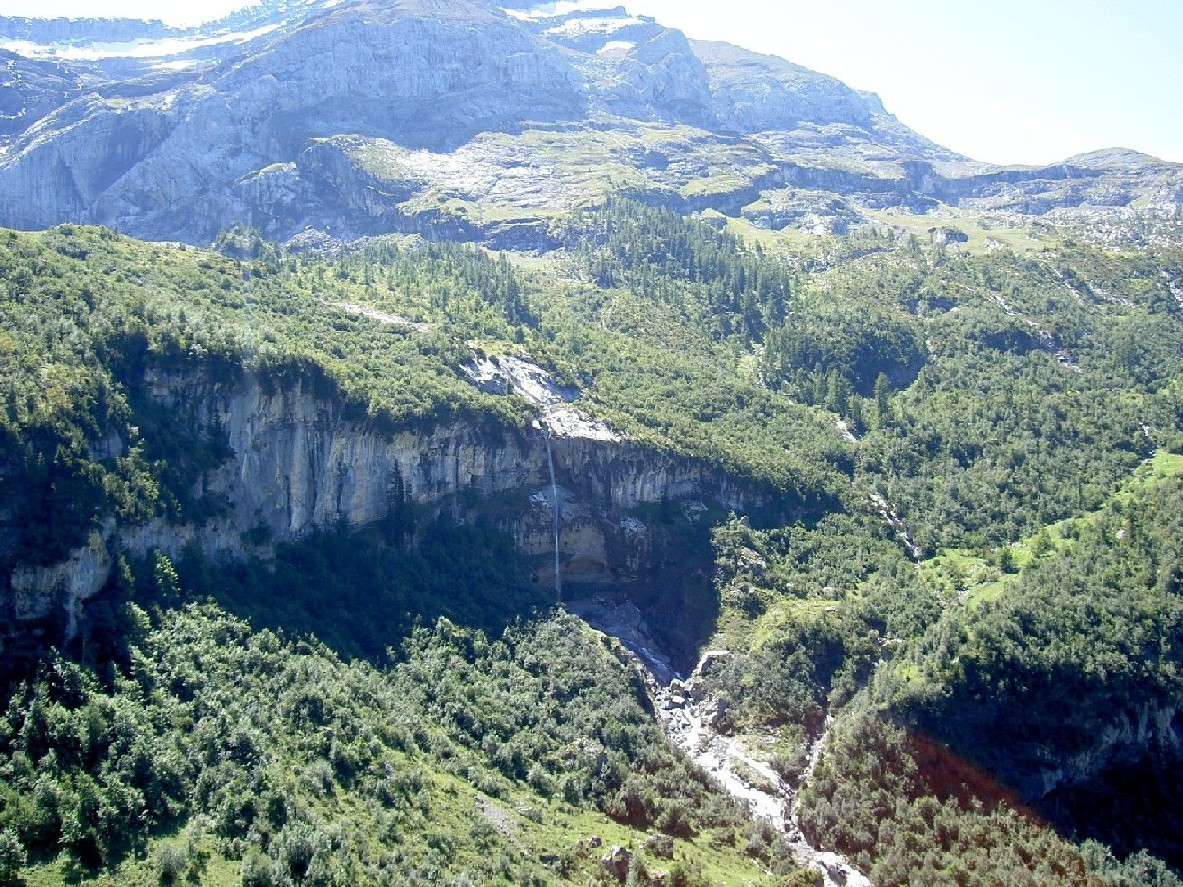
896 522
688 722
687 715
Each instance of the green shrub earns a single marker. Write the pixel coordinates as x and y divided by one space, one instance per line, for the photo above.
12 856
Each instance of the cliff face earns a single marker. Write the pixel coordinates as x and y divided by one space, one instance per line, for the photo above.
163 160
1086 746
223 125
30 90
301 463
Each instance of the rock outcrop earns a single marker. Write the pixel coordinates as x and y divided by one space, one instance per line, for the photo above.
1110 741
165 165
255 120
302 462
30 89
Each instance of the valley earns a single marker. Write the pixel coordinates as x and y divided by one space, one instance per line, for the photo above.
452 444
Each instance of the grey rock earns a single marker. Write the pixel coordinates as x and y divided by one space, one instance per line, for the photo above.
617 862
260 125
30 89
301 463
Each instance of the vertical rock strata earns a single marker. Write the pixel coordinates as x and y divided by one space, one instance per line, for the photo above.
301 463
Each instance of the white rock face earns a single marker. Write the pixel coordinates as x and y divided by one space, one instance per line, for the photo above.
166 166
754 93
638 69
301 463
35 592
230 130
1123 737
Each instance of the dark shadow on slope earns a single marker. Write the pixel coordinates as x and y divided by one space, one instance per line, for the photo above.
665 620
361 592
1130 807
668 608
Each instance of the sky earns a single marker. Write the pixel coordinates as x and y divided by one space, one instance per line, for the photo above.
1004 81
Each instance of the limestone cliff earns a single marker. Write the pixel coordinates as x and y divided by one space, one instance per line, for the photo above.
302 462
162 162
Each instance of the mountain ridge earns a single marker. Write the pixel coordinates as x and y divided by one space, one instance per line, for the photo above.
182 141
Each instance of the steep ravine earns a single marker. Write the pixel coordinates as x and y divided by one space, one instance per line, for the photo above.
689 719
693 720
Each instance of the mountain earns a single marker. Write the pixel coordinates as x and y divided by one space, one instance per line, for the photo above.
454 442
361 118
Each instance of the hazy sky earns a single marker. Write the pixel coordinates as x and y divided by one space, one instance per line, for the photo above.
1007 81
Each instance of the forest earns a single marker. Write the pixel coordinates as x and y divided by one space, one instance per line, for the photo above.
973 571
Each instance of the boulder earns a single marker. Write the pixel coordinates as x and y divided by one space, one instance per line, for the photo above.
617 862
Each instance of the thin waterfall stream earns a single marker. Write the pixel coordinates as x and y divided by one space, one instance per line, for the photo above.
554 491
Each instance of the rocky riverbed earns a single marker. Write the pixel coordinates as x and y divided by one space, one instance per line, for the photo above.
697 722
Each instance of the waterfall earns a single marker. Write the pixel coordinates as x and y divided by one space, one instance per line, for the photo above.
554 491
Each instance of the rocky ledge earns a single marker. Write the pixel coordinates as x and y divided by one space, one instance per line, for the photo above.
300 461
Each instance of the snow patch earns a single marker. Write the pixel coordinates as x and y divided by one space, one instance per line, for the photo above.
616 48
135 49
581 27
554 10
181 65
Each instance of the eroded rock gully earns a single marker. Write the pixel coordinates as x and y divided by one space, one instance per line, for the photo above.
691 718
695 721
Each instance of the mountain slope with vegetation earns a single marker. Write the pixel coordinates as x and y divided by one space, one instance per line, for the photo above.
695 342
591 382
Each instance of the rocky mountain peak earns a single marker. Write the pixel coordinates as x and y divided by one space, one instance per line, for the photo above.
298 113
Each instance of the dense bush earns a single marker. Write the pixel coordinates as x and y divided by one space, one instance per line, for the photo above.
982 398
871 798
314 771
